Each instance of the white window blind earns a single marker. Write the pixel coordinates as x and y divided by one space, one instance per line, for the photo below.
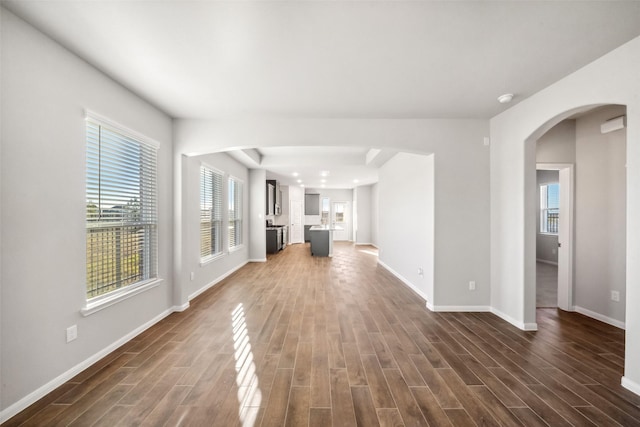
235 212
210 213
121 213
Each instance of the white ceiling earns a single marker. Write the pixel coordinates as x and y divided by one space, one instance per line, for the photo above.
334 59
316 167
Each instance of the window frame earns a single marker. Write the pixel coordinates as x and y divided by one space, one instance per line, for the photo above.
543 227
221 252
148 213
239 213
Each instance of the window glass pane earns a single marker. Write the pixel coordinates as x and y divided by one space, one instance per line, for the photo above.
121 215
210 212
549 208
235 212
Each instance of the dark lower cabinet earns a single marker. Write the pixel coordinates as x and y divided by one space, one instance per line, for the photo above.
307 233
274 237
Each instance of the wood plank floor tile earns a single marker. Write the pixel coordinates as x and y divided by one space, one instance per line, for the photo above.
301 340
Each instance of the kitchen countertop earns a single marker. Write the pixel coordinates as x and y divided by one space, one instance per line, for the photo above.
325 228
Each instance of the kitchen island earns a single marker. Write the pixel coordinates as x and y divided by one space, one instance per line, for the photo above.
322 239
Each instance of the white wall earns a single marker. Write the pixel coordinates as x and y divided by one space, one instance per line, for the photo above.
406 239
612 79
546 244
257 207
375 207
363 196
600 215
461 179
45 90
210 273
558 145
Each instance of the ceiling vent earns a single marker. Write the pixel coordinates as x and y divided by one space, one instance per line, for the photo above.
614 124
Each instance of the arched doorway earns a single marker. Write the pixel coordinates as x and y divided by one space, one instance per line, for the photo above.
593 249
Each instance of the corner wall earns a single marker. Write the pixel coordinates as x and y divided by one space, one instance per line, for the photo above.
612 79
406 239
45 90
206 275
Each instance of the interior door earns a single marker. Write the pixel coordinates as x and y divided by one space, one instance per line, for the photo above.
340 217
296 230
565 240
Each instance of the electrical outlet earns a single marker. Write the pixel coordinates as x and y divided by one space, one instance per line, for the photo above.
615 296
472 285
193 275
72 333
420 271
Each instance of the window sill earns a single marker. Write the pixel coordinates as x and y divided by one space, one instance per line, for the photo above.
102 303
210 259
236 248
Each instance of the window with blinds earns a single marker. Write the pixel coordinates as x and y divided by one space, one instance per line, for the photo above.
121 213
549 208
210 213
235 213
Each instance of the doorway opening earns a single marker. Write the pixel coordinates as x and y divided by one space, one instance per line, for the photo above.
554 236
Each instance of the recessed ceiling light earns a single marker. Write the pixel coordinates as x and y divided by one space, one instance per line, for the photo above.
323 186
506 98
301 185
324 173
356 181
295 174
299 181
323 181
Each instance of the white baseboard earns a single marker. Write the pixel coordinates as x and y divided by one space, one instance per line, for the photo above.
459 308
181 308
630 385
258 260
217 280
520 325
36 395
402 279
600 317
365 244
544 261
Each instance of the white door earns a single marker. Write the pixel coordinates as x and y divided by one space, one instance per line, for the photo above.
565 240
340 217
565 233
296 232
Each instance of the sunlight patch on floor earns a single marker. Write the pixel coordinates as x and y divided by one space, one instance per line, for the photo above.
249 394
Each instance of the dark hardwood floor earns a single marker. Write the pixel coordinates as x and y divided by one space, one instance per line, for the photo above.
339 341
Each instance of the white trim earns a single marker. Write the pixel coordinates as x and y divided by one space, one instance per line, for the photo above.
514 322
217 280
103 121
115 297
236 248
39 393
181 308
544 261
365 244
601 317
258 260
630 385
210 258
460 308
403 280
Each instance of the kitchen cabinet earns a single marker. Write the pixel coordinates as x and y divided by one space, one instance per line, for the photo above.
307 233
312 204
274 197
276 239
